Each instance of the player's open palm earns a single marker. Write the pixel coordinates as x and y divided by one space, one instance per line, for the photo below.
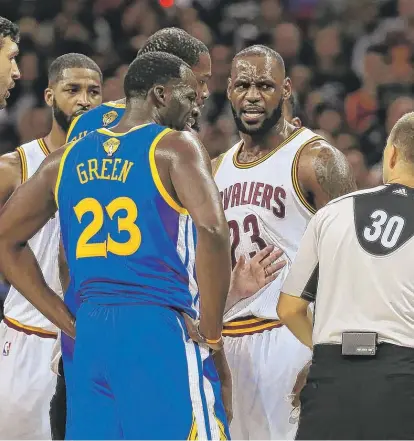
250 276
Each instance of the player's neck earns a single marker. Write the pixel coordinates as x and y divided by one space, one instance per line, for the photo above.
55 138
407 180
268 142
136 114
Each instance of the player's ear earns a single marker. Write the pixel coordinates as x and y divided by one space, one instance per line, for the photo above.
49 96
296 122
393 156
228 88
159 94
286 88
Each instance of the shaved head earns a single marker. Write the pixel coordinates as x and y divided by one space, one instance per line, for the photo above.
257 90
402 136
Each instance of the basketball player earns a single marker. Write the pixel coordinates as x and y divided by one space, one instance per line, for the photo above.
195 53
9 73
271 184
26 381
138 375
9 49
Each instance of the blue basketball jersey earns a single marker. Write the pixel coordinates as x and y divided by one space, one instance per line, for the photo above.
126 240
105 115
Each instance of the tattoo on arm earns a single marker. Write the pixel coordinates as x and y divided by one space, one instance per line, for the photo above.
333 172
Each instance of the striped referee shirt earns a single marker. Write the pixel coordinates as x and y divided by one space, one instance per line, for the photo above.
356 262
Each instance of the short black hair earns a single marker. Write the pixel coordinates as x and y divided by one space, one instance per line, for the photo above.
71 61
8 29
150 69
261 50
176 42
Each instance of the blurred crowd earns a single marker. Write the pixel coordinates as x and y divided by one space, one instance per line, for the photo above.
351 61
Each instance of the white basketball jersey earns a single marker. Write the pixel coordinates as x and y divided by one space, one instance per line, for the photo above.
45 246
264 205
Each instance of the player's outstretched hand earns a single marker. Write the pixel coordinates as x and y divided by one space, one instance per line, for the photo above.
248 277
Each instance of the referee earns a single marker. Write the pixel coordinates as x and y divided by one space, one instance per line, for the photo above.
356 263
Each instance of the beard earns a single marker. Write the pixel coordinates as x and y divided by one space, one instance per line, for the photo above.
266 125
196 126
61 118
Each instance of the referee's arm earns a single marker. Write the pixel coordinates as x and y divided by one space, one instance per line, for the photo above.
300 287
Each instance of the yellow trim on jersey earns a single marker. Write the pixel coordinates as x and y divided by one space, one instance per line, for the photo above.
295 180
216 163
259 161
223 435
30 328
23 161
193 435
61 165
72 126
116 105
156 177
43 146
108 132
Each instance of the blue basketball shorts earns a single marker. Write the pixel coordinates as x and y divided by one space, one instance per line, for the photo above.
136 375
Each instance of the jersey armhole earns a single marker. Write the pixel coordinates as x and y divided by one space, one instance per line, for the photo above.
295 180
23 161
217 163
60 171
156 177
115 105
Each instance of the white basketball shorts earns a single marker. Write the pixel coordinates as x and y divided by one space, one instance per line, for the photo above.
27 384
264 368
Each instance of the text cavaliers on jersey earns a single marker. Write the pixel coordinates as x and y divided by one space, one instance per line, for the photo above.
255 193
264 205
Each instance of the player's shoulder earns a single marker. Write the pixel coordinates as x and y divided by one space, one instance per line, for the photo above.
101 116
317 146
177 139
10 165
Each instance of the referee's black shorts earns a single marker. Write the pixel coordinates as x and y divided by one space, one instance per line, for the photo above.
58 407
358 398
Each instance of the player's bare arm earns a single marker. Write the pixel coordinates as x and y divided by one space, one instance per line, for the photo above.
185 169
11 175
29 208
324 173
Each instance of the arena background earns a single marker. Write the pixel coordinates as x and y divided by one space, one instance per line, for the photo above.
351 61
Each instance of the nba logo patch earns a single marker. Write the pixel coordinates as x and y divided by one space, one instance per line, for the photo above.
109 117
6 348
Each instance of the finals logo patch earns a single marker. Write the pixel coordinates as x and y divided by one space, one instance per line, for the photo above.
111 146
109 117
